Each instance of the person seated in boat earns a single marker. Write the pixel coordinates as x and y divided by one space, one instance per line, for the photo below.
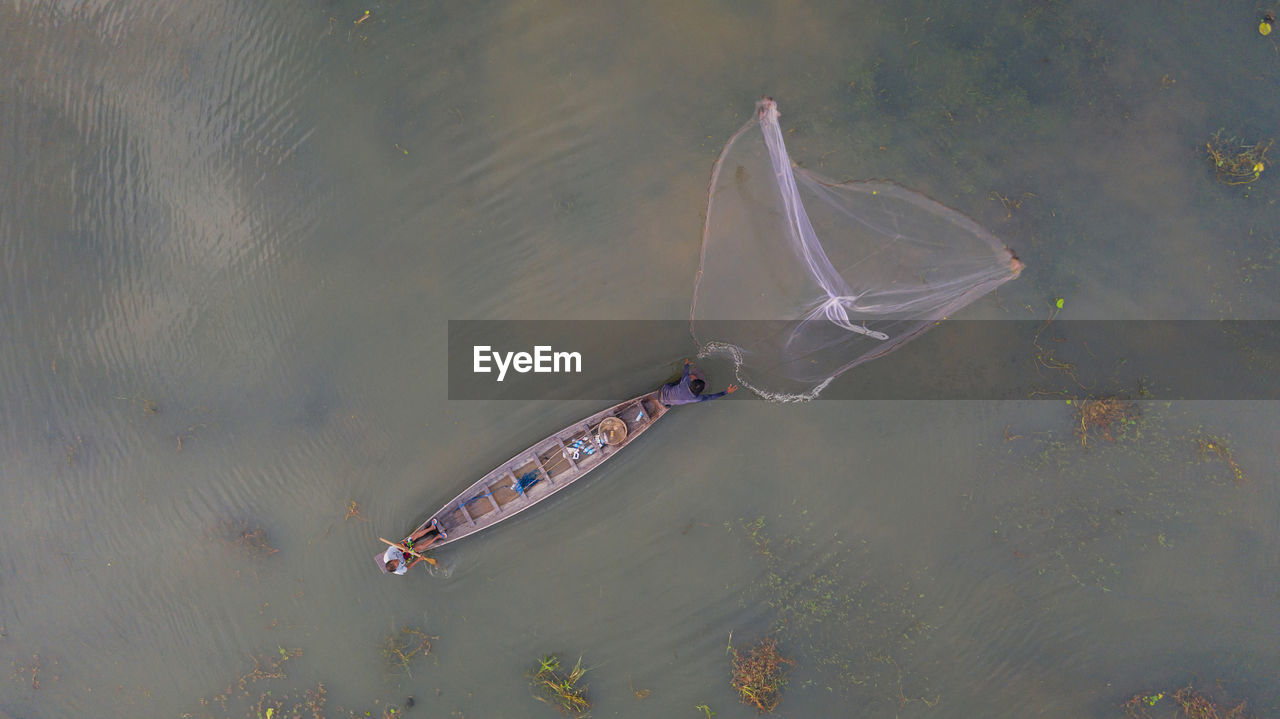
394 561
689 388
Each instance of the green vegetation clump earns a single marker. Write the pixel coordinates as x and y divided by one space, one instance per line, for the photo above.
561 689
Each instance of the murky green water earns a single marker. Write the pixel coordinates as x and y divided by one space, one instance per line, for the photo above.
232 234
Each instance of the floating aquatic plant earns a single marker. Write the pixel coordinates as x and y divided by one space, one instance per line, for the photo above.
760 675
1236 162
561 689
1106 416
1187 704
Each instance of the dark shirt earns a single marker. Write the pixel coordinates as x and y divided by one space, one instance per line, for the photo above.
681 393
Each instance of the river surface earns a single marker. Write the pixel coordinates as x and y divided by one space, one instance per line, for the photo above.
232 235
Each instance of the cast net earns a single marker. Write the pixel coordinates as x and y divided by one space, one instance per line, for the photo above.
802 278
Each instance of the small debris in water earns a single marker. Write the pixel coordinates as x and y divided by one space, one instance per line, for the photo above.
36 669
1211 446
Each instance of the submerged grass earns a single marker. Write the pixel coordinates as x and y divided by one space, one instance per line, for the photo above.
1085 514
248 539
853 635
401 648
760 675
560 689
265 692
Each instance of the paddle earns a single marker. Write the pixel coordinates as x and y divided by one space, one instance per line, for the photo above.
406 550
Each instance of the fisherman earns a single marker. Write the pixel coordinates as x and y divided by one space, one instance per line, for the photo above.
394 559
689 389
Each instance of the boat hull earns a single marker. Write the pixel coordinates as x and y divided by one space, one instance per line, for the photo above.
540 471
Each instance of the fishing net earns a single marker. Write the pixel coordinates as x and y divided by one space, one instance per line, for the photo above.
802 278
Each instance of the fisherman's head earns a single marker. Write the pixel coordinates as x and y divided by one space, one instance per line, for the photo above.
393 565
697 386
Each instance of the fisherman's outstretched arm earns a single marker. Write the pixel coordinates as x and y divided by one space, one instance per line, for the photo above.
704 397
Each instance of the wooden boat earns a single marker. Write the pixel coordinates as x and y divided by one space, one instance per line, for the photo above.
534 475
